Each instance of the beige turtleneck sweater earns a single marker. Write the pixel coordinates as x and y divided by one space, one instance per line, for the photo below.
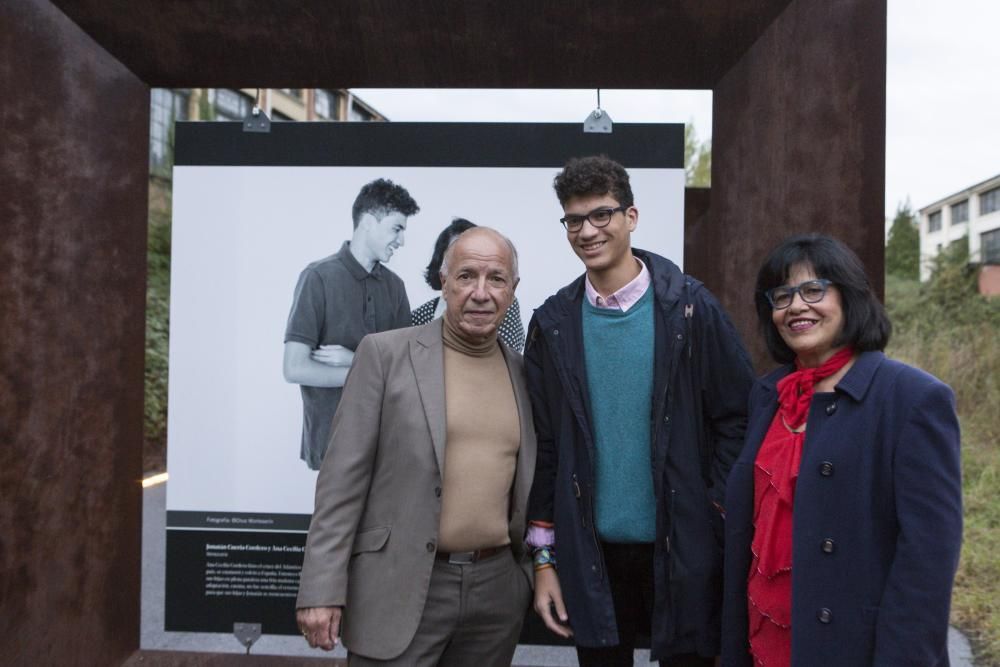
483 438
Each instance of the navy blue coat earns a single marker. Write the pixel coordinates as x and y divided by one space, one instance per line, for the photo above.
877 520
702 377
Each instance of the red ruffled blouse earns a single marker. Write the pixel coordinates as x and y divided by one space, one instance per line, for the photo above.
769 585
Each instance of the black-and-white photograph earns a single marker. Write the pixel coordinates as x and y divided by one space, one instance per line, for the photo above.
286 252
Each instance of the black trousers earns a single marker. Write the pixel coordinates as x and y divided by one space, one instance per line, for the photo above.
630 574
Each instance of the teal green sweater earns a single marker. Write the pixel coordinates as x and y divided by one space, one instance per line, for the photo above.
618 353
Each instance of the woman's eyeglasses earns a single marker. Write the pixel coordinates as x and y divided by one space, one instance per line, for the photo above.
811 291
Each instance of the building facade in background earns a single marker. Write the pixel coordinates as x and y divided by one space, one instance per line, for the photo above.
975 212
280 104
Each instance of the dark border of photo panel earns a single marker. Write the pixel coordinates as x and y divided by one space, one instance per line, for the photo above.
635 145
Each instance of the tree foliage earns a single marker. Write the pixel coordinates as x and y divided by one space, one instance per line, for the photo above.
902 250
205 111
157 333
950 296
954 284
697 159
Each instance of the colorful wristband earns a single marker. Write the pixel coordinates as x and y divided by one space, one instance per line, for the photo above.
544 556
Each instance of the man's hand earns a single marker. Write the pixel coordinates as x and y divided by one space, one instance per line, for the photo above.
548 595
320 626
333 355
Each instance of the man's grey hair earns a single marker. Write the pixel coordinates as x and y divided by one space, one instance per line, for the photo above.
510 245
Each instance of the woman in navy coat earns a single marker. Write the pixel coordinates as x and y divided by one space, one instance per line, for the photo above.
844 508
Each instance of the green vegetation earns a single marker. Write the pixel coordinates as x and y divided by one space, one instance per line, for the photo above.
902 251
697 159
948 329
157 328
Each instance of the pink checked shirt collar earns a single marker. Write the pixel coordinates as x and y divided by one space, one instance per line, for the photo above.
624 298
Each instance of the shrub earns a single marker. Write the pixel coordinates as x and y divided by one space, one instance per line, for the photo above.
157 338
949 330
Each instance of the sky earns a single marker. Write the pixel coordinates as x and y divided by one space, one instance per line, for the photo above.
943 98
942 89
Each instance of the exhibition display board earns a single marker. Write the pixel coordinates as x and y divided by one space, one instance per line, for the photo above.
250 211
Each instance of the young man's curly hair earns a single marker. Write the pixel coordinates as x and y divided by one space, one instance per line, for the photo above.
382 197
594 175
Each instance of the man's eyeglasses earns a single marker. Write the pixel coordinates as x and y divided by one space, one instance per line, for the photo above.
599 217
811 291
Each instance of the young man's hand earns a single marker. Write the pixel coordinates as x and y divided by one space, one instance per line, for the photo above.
549 602
333 355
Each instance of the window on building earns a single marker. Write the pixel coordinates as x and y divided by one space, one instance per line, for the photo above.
989 201
934 222
166 107
325 104
231 105
960 212
359 114
989 247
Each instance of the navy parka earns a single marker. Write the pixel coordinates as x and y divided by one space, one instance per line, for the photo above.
702 377
877 520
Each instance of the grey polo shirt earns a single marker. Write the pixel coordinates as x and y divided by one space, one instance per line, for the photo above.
337 302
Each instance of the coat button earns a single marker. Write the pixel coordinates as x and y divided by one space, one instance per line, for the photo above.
680 336
825 615
437 491
593 568
666 420
430 547
826 469
830 409
555 332
827 546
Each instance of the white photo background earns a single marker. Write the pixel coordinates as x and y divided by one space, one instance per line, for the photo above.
242 234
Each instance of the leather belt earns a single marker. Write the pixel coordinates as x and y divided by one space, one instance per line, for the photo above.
469 557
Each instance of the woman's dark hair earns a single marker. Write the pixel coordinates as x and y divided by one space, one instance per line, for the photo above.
432 274
866 326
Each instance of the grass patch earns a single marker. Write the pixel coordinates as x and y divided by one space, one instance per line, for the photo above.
950 331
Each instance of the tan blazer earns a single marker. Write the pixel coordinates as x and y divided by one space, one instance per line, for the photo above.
374 530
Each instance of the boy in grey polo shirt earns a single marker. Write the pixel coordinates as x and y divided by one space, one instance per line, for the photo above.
340 299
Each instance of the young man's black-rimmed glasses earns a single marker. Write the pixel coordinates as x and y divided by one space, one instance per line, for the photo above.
599 217
811 291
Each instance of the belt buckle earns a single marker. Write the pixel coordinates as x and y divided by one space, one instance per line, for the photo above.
462 558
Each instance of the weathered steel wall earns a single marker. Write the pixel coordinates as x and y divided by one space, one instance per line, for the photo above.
798 144
73 173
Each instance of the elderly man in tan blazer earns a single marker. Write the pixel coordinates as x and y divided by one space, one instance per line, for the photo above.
415 552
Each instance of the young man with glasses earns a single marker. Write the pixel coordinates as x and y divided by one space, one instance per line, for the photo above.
638 384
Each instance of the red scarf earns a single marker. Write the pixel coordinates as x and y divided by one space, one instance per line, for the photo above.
769 584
